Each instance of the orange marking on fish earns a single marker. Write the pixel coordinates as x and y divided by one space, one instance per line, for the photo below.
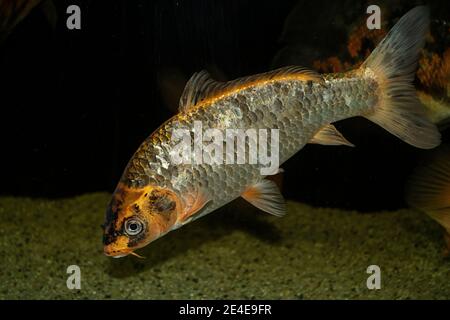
251 193
260 82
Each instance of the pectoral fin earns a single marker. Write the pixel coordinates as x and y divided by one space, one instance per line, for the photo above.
194 207
265 196
330 136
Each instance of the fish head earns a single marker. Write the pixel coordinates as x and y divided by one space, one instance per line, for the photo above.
137 216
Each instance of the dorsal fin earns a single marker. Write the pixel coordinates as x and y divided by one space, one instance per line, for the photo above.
201 86
196 89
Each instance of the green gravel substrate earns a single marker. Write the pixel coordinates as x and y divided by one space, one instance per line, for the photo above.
235 253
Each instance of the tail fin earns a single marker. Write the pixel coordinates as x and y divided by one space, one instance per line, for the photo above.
394 63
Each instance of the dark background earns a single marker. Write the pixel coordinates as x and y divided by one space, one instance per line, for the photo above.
76 104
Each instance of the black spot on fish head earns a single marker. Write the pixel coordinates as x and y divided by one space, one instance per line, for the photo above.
109 230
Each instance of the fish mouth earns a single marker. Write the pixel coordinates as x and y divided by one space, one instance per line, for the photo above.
120 253
115 252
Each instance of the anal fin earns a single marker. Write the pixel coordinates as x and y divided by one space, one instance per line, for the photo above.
330 136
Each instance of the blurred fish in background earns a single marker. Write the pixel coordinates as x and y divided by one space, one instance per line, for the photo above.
433 74
429 190
346 48
12 12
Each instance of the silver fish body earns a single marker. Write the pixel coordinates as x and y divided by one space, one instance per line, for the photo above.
157 195
297 108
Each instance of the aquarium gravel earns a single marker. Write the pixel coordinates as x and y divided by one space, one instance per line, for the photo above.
236 253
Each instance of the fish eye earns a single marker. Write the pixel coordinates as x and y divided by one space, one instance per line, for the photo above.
133 227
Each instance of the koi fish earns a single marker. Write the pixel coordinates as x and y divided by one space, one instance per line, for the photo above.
429 191
155 196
